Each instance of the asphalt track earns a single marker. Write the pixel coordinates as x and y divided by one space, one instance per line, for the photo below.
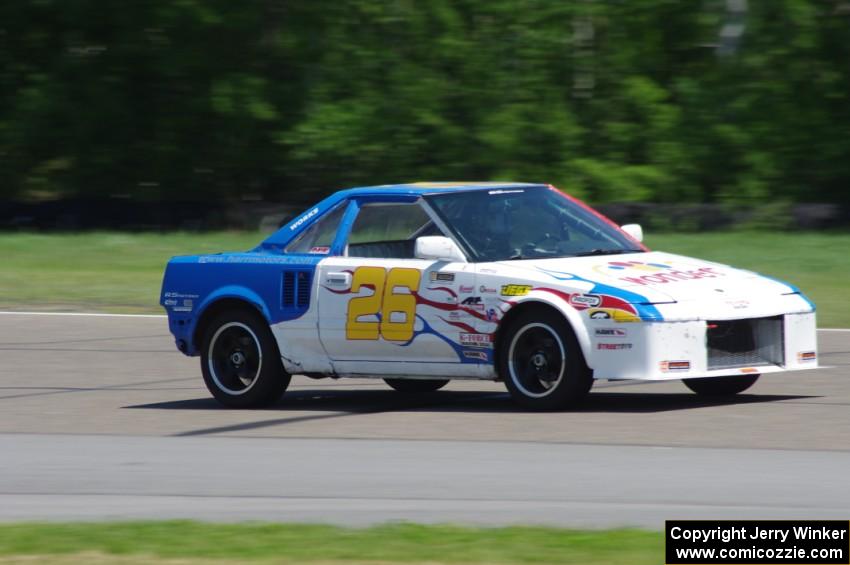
100 418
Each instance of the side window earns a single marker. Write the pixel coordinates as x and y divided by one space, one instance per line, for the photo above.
389 231
319 237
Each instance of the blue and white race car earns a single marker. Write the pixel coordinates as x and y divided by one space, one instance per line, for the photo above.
421 283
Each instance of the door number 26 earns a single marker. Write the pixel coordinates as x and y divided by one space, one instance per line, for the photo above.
384 302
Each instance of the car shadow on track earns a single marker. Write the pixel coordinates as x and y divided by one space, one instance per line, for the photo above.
376 401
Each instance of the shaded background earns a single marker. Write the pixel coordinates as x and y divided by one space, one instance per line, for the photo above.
195 113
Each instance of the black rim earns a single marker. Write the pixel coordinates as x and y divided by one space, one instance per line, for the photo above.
536 359
235 358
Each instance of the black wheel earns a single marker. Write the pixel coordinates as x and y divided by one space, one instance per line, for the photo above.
541 362
240 360
417 385
721 386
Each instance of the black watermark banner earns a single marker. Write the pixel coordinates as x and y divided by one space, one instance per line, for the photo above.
757 542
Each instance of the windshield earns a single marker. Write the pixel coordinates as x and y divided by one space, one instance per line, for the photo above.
527 223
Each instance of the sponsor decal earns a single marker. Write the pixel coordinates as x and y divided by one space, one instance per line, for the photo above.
673 366
442 277
454 315
616 314
613 346
180 302
257 260
303 219
505 191
585 300
638 265
807 356
486 290
737 304
322 249
492 315
476 340
179 295
473 302
617 308
479 355
188 305
515 289
610 332
466 289
655 273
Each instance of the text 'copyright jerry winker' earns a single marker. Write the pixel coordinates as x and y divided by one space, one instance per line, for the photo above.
758 542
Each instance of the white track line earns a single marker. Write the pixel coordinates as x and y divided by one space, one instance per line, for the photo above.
99 315
85 314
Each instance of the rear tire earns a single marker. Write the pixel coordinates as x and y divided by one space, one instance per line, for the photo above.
417 385
721 386
541 362
240 360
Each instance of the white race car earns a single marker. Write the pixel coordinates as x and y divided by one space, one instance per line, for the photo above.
421 283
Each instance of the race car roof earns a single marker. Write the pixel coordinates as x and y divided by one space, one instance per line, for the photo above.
398 191
429 187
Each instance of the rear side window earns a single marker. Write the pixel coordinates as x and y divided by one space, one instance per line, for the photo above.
319 237
389 231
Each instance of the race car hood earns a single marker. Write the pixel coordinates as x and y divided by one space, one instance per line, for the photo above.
665 278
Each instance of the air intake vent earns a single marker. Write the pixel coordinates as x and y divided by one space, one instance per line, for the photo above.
296 290
745 343
302 289
288 289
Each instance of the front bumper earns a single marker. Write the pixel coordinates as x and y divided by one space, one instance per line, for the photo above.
661 351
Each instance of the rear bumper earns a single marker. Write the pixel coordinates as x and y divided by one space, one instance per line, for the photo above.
660 351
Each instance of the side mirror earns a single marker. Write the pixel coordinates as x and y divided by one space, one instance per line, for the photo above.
634 231
438 248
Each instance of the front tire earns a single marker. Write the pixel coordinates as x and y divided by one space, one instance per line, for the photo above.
417 385
721 386
240 360
541 362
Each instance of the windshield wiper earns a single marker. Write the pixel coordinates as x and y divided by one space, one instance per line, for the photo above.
606 252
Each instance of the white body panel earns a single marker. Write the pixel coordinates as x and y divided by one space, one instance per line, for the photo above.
360 344
631 314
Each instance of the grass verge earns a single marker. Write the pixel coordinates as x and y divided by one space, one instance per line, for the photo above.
190 542
121 272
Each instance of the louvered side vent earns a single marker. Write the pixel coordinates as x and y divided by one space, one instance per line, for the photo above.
288 297
295 294
302 293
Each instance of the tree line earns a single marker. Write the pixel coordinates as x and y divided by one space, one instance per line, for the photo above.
711 101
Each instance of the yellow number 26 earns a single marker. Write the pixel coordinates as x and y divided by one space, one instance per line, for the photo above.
384 302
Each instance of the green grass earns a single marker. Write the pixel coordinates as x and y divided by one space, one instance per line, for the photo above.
119 272
110 272
400 543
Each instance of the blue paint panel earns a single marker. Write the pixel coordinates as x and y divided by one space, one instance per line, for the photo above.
254 277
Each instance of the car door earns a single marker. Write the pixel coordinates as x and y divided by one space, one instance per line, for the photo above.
380 307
